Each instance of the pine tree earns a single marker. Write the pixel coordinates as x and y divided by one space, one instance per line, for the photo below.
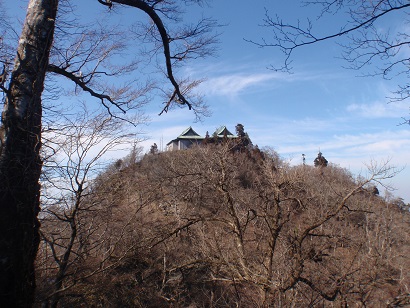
320 160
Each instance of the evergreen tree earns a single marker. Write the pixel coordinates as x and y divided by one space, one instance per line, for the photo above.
207 138
154 149
320 160
240 131
243 138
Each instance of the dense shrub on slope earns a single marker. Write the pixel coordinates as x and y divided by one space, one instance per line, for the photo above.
212 227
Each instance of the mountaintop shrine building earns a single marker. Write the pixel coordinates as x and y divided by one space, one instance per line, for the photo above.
185 140
189 137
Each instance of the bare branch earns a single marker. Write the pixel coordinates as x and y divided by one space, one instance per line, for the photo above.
150 11
78 80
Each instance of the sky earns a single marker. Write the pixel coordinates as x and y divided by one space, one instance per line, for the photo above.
320 106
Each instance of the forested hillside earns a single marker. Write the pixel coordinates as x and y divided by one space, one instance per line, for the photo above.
222 226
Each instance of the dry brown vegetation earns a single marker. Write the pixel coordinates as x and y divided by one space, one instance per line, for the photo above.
212 227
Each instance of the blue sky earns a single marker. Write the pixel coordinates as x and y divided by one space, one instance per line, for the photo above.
319 106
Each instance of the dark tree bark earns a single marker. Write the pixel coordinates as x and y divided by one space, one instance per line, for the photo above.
20 163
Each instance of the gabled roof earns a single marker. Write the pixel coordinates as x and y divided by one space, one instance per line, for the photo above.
223 131
189 133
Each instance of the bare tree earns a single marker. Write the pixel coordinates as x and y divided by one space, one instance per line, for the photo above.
20 162
223 228
371 45
286 235
75 226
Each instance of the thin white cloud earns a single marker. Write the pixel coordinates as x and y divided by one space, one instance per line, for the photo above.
279 131
233 84
379 109
364 145
231 78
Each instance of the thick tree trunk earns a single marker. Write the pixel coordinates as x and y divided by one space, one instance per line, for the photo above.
20 163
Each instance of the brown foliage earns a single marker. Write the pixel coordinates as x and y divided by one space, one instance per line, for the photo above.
207 227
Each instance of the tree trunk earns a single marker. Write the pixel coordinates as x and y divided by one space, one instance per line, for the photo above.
20 163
